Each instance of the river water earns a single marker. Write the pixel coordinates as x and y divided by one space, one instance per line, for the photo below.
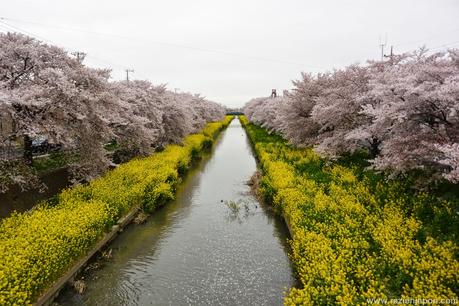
17 200
214 245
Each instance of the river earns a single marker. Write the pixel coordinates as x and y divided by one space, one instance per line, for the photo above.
17 200
213 245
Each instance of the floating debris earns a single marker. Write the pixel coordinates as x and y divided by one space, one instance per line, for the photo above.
107 254
79 286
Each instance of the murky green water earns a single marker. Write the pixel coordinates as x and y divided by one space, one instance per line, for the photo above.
197 251
17 200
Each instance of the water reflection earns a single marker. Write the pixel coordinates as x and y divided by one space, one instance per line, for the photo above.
197 250
241 209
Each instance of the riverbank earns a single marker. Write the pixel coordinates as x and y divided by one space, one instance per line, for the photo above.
355 235
38 247
215 244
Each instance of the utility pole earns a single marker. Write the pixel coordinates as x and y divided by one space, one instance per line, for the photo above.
127 74
79 55
391 55
382 51
382 45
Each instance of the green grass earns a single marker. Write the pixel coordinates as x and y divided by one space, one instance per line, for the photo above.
52 162
112 146
356 233
437 207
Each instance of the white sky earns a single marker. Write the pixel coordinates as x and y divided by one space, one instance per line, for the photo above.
260 44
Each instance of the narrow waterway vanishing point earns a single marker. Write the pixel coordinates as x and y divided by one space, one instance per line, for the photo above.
214 245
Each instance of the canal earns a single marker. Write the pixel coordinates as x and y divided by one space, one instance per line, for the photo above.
214 245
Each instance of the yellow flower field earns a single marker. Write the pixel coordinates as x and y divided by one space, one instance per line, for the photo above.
354 239
37 247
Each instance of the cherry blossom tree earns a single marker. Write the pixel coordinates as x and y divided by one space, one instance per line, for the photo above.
404 111
137 126
57 97
295 115
47 93
450 159
417 110
151 117
265 111
337 112
12 169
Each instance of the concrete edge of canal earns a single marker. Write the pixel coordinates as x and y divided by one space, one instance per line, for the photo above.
48 297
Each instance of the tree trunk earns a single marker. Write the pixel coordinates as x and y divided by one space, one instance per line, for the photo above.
374 147
28 157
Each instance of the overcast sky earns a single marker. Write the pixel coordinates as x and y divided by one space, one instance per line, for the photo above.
232 51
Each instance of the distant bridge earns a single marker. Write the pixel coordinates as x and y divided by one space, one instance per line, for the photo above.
235 113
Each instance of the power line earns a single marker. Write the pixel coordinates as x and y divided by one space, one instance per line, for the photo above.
445 45
4 28
80 55
172 45
423 41
16 29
